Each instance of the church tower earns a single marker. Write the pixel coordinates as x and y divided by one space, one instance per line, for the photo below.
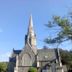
30 38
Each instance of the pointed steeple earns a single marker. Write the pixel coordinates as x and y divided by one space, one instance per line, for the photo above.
30 21
31 37
30 28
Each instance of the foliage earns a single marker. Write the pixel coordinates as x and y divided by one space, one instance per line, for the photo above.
3 67
32 69
66 57
64 28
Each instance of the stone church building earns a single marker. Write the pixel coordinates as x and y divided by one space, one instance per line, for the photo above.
45 59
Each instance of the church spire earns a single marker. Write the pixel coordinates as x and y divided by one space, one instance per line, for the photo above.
30 28
31 37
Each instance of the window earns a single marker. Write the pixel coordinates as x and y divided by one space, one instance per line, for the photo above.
26 60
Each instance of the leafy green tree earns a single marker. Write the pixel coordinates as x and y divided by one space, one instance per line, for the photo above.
66 57
32 69
63 28
3 67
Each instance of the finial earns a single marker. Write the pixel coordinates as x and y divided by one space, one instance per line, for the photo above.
13 49
31 21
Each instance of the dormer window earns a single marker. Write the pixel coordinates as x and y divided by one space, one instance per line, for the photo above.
45 56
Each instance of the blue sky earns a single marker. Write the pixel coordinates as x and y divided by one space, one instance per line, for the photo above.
14 19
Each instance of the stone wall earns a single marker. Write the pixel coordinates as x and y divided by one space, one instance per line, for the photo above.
23 69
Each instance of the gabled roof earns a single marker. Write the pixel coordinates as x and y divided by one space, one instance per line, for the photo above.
13 59
16 51
46 54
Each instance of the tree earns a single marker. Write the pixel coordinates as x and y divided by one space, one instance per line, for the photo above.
3 67
32 69
63 26
66 57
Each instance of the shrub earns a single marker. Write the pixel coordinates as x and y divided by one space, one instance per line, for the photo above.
32 69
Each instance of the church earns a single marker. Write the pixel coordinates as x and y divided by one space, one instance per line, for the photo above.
44 59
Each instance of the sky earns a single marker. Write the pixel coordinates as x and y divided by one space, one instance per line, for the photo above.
14 20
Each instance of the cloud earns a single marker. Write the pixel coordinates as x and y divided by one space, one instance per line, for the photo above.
5 56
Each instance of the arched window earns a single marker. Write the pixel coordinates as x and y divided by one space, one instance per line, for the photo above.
26 60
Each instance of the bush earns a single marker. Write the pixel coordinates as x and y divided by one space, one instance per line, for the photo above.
32 69
3 67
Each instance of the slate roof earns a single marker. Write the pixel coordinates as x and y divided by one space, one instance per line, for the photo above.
13 59
46 54
16 51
